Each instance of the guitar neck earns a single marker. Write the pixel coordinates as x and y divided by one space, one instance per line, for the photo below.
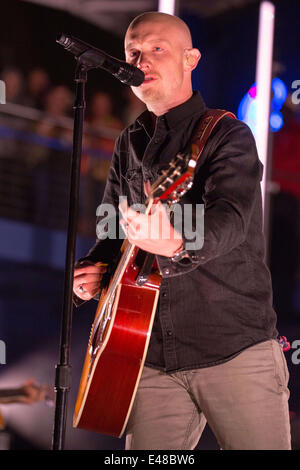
11 394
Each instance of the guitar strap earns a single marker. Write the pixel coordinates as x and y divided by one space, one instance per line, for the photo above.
202 131
205 126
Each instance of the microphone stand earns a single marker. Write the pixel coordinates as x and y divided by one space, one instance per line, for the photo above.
63 369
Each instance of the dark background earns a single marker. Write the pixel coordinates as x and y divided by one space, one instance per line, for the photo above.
32 258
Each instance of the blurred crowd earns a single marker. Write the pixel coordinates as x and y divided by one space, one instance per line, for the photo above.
36 132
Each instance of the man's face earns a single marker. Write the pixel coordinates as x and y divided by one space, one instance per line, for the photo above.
156 48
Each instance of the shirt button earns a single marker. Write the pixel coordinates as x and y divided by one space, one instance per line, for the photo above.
166 271
169 333
164 294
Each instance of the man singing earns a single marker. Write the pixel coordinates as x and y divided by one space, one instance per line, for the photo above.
213 354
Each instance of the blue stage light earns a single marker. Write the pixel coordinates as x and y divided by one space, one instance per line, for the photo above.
247 107
276 121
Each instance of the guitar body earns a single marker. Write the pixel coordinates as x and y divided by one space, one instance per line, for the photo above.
112 367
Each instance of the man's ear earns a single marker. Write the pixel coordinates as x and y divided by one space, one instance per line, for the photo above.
191 58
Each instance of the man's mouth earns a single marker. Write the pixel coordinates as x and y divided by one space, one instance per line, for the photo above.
148 79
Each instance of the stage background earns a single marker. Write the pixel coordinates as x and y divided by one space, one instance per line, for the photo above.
34 174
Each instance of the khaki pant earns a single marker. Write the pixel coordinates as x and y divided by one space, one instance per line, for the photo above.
244 401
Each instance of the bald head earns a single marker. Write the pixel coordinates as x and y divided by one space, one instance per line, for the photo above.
161 46
183 33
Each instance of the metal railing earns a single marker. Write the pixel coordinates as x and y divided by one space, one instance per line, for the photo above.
35 157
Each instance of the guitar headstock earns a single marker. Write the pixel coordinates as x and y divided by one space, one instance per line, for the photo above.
177 179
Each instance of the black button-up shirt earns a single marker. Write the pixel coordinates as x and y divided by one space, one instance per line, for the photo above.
220 301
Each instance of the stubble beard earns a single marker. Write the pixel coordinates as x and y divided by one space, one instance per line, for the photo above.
150 97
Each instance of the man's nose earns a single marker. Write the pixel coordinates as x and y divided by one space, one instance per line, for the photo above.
142 62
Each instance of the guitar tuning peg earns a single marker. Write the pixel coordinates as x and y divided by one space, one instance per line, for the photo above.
169 180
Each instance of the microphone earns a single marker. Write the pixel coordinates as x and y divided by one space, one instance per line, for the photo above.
91 57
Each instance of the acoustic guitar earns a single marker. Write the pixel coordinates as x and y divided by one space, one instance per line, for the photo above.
122 325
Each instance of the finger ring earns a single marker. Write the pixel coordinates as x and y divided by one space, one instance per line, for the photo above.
81 289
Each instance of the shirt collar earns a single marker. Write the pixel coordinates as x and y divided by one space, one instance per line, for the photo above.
194 105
